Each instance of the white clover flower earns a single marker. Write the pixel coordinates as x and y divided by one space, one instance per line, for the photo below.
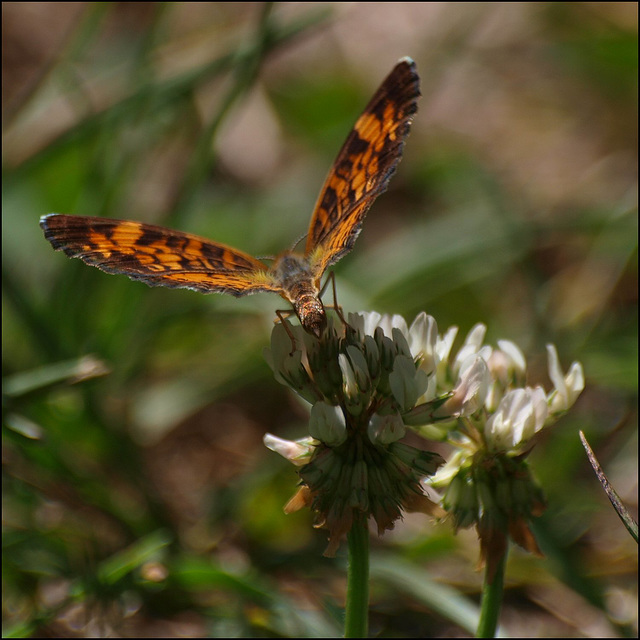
423 340
360 367
385 429
390 322
566 388
296 451
520 415
472 345
443 351
400 341
443 476
508 368
516 362
507 364
430 392
327 424
470 391
364 322
348 376
444 344
286 360
407 384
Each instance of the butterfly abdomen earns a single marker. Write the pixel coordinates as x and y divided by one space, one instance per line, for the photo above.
303 295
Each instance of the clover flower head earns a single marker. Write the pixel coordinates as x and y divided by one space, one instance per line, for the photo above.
481 404
360 381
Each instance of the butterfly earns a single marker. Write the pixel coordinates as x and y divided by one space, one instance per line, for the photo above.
162 257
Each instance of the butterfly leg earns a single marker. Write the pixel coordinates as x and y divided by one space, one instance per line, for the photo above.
283 314
335 306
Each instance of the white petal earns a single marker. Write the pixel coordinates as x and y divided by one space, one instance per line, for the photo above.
296 452
566 389
472 345
444 344
520 415
515 356
348 376
386 429
327 424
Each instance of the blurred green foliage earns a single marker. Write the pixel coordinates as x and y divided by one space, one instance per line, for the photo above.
138 497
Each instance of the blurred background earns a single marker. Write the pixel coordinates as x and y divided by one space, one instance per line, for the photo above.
138 498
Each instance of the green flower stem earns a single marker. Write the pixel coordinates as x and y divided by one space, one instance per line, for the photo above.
356 624
492 592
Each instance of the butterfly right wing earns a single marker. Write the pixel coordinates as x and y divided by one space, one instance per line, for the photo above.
363 167
158 256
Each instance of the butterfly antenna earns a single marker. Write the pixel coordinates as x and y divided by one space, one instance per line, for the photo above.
293 248
298 241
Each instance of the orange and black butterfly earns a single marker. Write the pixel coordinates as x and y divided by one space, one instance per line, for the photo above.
163 257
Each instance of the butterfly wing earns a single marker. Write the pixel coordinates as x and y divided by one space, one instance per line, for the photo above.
157 256
363 168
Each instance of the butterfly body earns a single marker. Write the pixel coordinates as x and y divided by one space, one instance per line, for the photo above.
163 257
300 286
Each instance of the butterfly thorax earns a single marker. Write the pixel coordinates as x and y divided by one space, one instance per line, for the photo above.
294 275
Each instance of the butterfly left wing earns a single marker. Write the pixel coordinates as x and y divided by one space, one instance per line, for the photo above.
363 168
158 256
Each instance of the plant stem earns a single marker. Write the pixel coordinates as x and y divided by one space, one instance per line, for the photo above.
357 605
492 592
